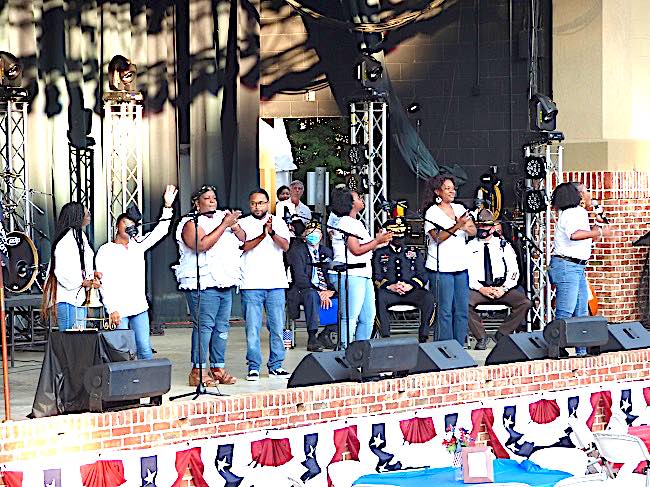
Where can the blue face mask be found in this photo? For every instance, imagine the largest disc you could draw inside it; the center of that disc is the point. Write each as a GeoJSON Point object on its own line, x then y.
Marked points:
{"type": "Point", "coordinates": [313, 239]}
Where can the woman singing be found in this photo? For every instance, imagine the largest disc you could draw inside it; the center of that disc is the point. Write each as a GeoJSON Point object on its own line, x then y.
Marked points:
{"type": "Point", "coordinates": [347, 205]}
{"type": "Point", "coordinates": [572, 250]}
{"type": "Point", "coordinates": [448, 225]}
{"type": "Point", "coordinates": [71, 269]}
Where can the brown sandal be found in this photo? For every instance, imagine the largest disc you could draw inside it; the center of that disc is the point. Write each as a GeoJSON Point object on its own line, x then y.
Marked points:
{"type": "Point", "coordinates": [193, 379]}
{"type": "Point", "coordinates": [221, 376]}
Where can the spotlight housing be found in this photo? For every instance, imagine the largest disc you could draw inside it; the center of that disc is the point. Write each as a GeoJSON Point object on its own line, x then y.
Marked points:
{"type": "Point", "coordinates": [413, 107]}
{"type": "Point", "coordinates": [368, 69]}
{"type": "Point", "coordinates": [535, 167]}
{"type": "Point", "coordinates": [534, 201]}
{"type": "Point", "coordinates": [543, 113]}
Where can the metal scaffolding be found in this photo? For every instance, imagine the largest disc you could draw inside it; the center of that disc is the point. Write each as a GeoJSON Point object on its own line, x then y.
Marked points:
{"type": "Point", "coordinates": [368, 127]}
{"type": "Point", "coordinates": [538, 230]}
{"type": "Point", "coordinates": [123, 153]}
{"type": "Point", "coordinates": [81, 165]}
{"type": "Point", "coordinates": [14, 179]}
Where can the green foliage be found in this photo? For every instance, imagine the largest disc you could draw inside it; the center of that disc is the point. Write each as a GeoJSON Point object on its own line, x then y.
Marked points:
{"type": "Point", "coordinates": [318, 142]}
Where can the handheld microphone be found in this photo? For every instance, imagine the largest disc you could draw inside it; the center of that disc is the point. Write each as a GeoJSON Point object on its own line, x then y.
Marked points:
{"type": "Point", "coordinates": [599, 211]}
{"type": "Point", "coordinates": [131, 231]}
{"type": "Point", "coordinates": [287, 217]}
{"type": "Point", "coordinates": [384, 204]}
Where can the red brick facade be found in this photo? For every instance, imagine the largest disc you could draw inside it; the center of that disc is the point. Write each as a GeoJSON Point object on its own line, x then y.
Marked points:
{"type": "Point", "coordinates": [182, 421]}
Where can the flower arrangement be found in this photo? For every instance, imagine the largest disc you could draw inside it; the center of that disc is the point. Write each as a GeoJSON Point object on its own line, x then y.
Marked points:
{"type": "Point", "coordinates": [460, 438]}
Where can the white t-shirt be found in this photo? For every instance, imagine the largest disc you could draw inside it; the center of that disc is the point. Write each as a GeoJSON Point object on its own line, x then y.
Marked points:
{"type": "Point", "coordinates": [355, 227]}
{"type": "Point", "coordinates": [68, 272]}
{"type": "Point", "coordinates": [263, 267]}
{"type": "Point", "coordinates": [570, 221]}
{"type": "Point", "coordinates": [454, 255]}
{"type": "Point", "coordinates": [123, 270]}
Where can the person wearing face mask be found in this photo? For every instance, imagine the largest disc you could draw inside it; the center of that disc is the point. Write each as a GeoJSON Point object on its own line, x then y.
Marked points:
{"type": "Point", "coordinates": [310, 285]}
{"type": "Point", "coordinates": [493, 277]}
{"type": "Point", "coordinates": [121, 263]}
{"type": "Point", "coordinates": [400, 277]}
{"type": "Point", "coordinates": [219, 238]}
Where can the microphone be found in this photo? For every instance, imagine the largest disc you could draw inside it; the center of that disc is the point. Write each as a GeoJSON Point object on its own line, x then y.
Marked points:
{"type": "Point", "coordinates": [131, 230]}
{"type": "Point", "coordinates": [384, 204]}
{"type": "Point", "coordinates": [599, 211]}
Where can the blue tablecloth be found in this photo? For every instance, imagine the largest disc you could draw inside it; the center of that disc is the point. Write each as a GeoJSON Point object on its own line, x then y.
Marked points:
{"type": "Point", "coordinates": [525, 472]}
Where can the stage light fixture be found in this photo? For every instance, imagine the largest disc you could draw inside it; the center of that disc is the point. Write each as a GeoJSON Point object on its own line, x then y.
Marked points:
{"type": "Point", "coordinates": [534, 201]}
{"type": "Point", "coordinates": [11, 78]}
{"type": "Point", "coordinates": [413, 107]}
{"type": "Point", "coordinates": [544, 112]}
{"type": "Point", "coordinates": [535, 167]}
{"type": "Point", "coordinates": [368, 68]}
{"type": "Point", "coordinates": [122, 74]}
{"type": "Point", "coordinates": [355, 155]}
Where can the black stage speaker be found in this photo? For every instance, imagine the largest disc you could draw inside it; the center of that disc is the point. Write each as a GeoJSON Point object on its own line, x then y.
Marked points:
{"type": "Point", "coordinates": [110, 384]}
{"type": "Point", "coordinates": [625, 336]}
{"type": "Point", "coordinates": [372, 358]}
{"type": "Point", "coordinates": [443, 355]}
{"type": "Point", "coordinates": [518, 347]}
{"type": "Point", "coordinates": [583, 331]}
{"type": "Point", "coordinates": [320, 368]}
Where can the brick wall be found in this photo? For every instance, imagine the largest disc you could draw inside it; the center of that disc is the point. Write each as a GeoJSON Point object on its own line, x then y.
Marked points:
{"type": "Point", "coordinates": [617, 270]}
{"type": "Point", "coordinates": [181, 421]}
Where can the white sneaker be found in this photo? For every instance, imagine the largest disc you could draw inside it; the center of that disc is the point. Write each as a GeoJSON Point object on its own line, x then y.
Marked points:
{"type": "Point", "coordinates": [253, 375]}
{"type": "Point", "coordinates": [279, 372]}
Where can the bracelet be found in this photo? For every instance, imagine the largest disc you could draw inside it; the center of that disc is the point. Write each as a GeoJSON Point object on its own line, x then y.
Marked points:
{"type": "Point", "coordinates": [272, 233]}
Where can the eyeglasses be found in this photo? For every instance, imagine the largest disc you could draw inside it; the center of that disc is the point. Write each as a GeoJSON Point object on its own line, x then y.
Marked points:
{"type": "Point", "coordinates": [258, 203]}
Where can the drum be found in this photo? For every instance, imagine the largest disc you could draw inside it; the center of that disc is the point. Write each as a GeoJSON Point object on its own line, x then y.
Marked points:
{"type": "Point", "coordinates": [22, 269]}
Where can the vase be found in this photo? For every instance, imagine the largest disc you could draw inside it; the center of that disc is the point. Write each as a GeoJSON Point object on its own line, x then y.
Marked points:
{"type": "Point", "coordinates": [458, 464]}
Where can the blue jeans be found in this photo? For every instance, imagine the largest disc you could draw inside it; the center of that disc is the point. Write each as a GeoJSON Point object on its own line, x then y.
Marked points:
{"type": "Point", "coordinates": [253, 302]}
{"type": "Point", "coordinates": [571, 293]}
{"type": "Point", "coordinates": [67, 315]}
{"type": "Point", "coordinates": [212, 326]}
{"type": "Point", "coordinates": [140, 325]}
{"type": "Point", "coordinates": [362, 308]}
{"type": "Point", "coordinates": [453, 306]}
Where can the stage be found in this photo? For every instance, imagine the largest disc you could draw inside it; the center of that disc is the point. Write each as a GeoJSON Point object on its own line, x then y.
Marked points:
{"type": "Point", "coordinates": [175, 345]}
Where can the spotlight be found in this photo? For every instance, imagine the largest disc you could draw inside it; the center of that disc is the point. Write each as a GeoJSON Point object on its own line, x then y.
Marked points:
{"type": "Point", "coordinates": [11, 78]}
{"type": "Point", "coordinates": [413, 107]}
{"type": "Point", "coordinates": [534, 201]}
{"type": "Point", "coordinates": [355, 155]}
{"type": "Point", "coordinates": [368, 69]}
{"type": "Point", "coordinates": [544, 112]}
{"type": "Point", "coordinates": [122, 74]}
{"type": "Point", "coordinates": [535, 167]}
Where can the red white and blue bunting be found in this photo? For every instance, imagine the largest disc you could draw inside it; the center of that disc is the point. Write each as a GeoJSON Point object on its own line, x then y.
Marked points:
{"type": "Point", "coordinates": [516, 427]}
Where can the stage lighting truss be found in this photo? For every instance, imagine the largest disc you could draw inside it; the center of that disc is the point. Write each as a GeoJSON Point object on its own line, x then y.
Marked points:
{"type": "Point", "coordinates": [535, 167]}
{"type": "Point", "coordinates": [123, 153]}
{"type": "Point", "coordinates": [539, 218]}
{"type": "Point", "coordinates": [368, 128]}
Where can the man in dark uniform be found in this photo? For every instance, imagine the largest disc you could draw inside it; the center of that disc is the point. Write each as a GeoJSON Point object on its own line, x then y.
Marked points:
{"type": "Point", "coordinates": [400, 277]}
{"type": "Point", "coordinates": [310, 284]}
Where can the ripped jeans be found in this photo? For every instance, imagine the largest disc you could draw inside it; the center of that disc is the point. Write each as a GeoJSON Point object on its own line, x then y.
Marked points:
{"type": "Point", "coordinates": [213, 322]}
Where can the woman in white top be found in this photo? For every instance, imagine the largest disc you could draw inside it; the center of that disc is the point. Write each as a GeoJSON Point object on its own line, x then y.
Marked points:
{"type": "Point", "coordinates": [121, 263]}
{"type": "Point", "coordinates": [573, 240]}
{"type": "Point", "coordinates": [361, 292]}
{"type": "Point", "coordinates": [448, 225]}
{"type": "Point", "coordinates": [70, 275]}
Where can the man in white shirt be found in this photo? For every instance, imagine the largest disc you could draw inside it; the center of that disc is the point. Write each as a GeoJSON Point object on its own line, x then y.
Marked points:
{"type": "Point", "coordinates": [264, 281]}
{"type": "Point", "coordinates": [293, 209]}
{"type": "Point", "coordinates": [493, 277]}
{"type": "Point", "coordinates": [121, 263]}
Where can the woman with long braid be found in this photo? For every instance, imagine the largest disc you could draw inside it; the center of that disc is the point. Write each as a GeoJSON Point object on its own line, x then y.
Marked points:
{"type": "Point", "coordinates": [71, 269]}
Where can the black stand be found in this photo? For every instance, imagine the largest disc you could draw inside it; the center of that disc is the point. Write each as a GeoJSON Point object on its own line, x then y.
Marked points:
{"type": "Point", "coordinates": [200, 387]}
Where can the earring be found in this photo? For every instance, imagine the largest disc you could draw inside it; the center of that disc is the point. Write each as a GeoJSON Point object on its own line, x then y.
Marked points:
{"type": "Point", "coordinates": [438, 200]}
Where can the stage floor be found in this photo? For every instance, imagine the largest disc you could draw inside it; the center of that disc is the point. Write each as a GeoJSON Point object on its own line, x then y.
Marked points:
{"type": "Point", "coordinates": [175, 345]}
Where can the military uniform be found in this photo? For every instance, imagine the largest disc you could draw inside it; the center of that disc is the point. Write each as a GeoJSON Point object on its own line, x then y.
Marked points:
{"type": "Point", "coordinates": [395, 263]}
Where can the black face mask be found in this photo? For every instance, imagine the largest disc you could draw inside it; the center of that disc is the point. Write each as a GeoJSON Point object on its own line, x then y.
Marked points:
{"type": "Point", "coordinates": [482, 233]}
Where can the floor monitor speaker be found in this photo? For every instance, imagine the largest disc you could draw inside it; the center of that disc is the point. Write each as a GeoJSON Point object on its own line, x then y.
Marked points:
{"type": "Point", "coordinates": [518, 347]}
{"type": "Point", "coordinates": [320, 368]}
{"type": "Point", "coordinates": [626, 336]}
{"type": "Point", "coordinates": [442, 355]}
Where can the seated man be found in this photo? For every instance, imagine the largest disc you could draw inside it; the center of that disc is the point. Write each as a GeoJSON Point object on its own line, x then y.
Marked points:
{"type": "Point", "coordinates": [310, 285]}
{"type": "Point", "coordinates": [400, 277]}
{"type": "Point", "coordinates": [493, 276]}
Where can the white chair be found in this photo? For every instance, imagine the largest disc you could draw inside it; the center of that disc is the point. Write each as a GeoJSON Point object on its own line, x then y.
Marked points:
{"type": "Point", "coordinates": [583, 438]}
{"type": "Point", "coordinates": [627, 450]}
{"type": "Point", "coordinates": [617, 423]}
{"type": "Point", "coordinates": [345, 472]}
{"type": "Point", "coordinates": [594, 480]}
{"type": "Point", "coordinates": [570, 460]}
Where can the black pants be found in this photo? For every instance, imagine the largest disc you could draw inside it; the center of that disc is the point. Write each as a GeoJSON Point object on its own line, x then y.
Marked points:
{"type": "Point", "coordinates": [420, 298]}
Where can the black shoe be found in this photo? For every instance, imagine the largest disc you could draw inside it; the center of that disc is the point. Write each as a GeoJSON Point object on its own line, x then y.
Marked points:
{"type": "Point", "coordinates": [423, 339]}
{"type": "Point", "coordinates": [314, 346]}
{"type": "Point", "coordinates": [498, 336]}
{"type": "Point", "coordinates": [481, 344]}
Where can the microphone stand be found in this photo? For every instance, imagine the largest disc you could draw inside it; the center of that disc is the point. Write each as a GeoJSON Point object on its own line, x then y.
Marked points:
{"type": "Point", "coordinates": [200, 387]}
